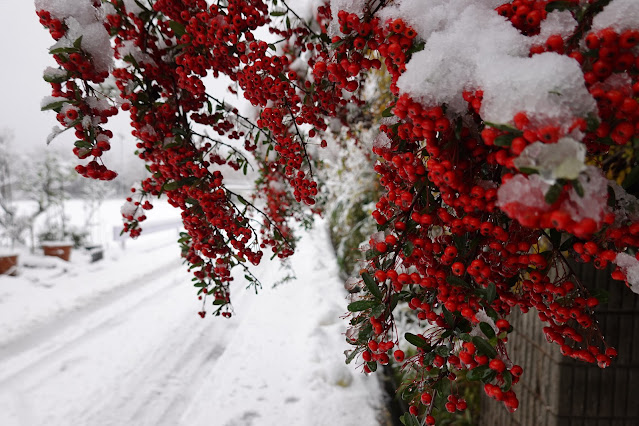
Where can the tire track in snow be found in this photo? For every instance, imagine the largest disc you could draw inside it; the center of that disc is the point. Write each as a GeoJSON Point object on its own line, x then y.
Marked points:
{"type": "Point", "coordinates": [152, 386]}
{"type": "Point", "coordinates": [26, 350]}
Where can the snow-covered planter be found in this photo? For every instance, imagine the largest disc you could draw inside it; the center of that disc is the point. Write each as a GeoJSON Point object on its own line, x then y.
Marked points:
{"type": "Point", "coordinates": [8, 261]}
{"type": "Point", "coordinates": [61, 249]}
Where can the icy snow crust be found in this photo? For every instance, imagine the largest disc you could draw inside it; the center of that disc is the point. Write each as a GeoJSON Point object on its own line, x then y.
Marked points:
{"type": "Point", "coordinates": [619, 15]}
{"type": "Point", "coordinates": [630, 266]}
{"type": "Point", "coordinates": [469, 46]}
{"type": "Point", "coordinates": [83, 20]}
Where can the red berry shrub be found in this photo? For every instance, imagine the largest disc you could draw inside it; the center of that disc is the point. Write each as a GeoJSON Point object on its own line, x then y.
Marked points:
{"type": "Point", "coordinates": [477, 217]}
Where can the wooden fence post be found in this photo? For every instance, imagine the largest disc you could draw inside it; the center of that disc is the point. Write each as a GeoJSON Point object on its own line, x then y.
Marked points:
{"type": "Point", "coordinates": [559, 391]}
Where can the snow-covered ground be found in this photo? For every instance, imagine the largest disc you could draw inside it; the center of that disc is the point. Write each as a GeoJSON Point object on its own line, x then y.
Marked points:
{"type": "Point", "coordinates": [119, 342]}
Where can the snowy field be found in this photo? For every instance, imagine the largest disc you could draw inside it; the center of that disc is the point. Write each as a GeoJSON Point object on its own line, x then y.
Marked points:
{"type": "Point", "coordinates": [119, 341]}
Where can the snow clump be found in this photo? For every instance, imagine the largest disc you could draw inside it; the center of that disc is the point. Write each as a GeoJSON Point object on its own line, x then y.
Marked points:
{"type": "Point", "coordinates": [470, 46]}
{"type": "Point", "coordinates": [630, 267]}
{"type": "Point", "coordinates": [82, 20]}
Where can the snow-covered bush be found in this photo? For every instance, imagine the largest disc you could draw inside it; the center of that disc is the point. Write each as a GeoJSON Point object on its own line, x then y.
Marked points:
{"type": "Point", "coordinates": [508, 146]}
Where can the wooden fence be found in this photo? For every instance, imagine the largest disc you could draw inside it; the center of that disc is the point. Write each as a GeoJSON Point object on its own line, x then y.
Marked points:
{"type": "Point", "coordinates": [558, 391]}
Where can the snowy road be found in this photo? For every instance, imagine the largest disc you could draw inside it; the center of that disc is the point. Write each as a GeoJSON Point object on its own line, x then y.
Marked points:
{"type": "Point", "coordinates": [141, 356]}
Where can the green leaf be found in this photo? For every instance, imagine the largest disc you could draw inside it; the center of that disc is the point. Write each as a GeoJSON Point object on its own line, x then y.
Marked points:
{"type": "Point", "coordinates": [528, 171]}
{"type": "Point", "coordinates": [378, 310]}
{"type": "Point", "coordinates": [408, 249]}
{"type": "Point", "coordinates": [170, 186]}
{"type": "Point", "coordinates": [631, 178]}
{"type": "Point", "coordinates": [487, 330]}
{"type": "Point", "coordinates": [54, 106]}
{"type": "Point", "coordinates": [504, 128]}
{"type": "Point", "coordinates": [453, 280]}
{"type": "Point", "coordinates": [365, 333]}
{"type": "Point", "coordinates": [463, 326]}
{"type": "Point", "coordinates": [372, 365]}
{"type": "Point", "coordinates": [82, 144]}
{"type": "Point", "coordinates": [477, 372]}
{"type": "Point", "coordinates": [555, 238]}
{"type": "Point", "coordinates": [508, 381]}
{"type": "Point", "coordinates": [56, 78]}
{"type": "Point", "coordinates": [578, 188]}
{"type": "Point", "coordinates": [417, 47]}
{"type": "Point", "coordinates": [592, 122]}
{"type": "Point", "coordinates": [362, 305]}
{"type": "Point", "coordinates": [408, 419]}
{"type": "Point", "coordinates": [352, 355]}
{"type": "Point", "coordinates": [219, 302]}
{"type": "Point", "coordinates": [491, 293]}
{"type": "Point", "coordinates": [488, 376]}
{"type": "Point", "coordinates": [459, 124]}
{"type": "Point", "coordinates": [553, 193]}
{"type": "Point", "coordinates": [601, 295]}
{"type": "Point", "coordinates": [78, 43]}
{"type": "Point", "coordinates": [388, 112]}
{"type": "Point", "coordinates": [491, 313]}
{"type": "Point", "coordinates": [278, 13]}
{"type": "Point", "coordinates": [416, 340]}
{"type": "Point", "coordinates": [178, 28]}
{"type": "Point", "coordinates": [442, 350]}
{"type": "Point", "coordinates": [567, 245]}
{"type": "Point", "coordinates": [448, 316]}
{"type": "Point", "coordinates": [504, 140]}
{"type": "Point", "coordinates": [59, 50]}
{"type": "Point", "coordinates": [395, 298]}
{"type": "Point", "coordinates": [612, 197]}
{"type": "Point", "coordinates": [371, 285]}
{"type": "Point", "coordinates": [561, 5]}
{"type": "Point", "coordinates": [484, 347]}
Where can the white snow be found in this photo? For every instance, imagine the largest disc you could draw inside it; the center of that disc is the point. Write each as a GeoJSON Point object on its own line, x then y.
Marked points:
{"type": "Point", "coordinates": [469, 46]}
{"type": "Point", "coordinates": [557, 22]}
{"type": "Point", "coordinates": [627, 205]}
{"type": "Point", "coordinates": [51, 72]}
{"type": "Point", "coordinates": [128, 48]}
{"type": "Point", "coordinates": [546, 86]}
{"type": "Point", "coordinates": [619, 15]}
{"type": "Point", "coordinates": [119, 342]}
{"type": "Point", "coordinates": [594, 202]}
{"type": "Point", "coordinates": [350, 6]}
{"type": "Point", "coordinates": [82, 20]}
{"type": "Point", "coordinates": [564, 159]}
{"type": "Point", "coordinates": [527, 191]}
{"type": "Point", "coordinates": [630, 266]}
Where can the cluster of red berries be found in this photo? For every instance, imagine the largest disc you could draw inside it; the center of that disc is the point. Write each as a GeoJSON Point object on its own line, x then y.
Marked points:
{"type": "Point", "coordinates": [526, 15]}
{"type": "Point", "coordinates": [454, 193]}
{"type": "Point", "coordinates": [76, 106]}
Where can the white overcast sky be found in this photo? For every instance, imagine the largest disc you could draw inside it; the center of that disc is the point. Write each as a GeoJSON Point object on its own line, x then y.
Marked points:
{"type": "Point", "coordinates": [25, 55]}
{"type": "Point", "coordinates": [24, 47]}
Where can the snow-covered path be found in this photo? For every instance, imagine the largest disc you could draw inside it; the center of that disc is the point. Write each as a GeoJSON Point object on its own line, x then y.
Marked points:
{"type": "Point", "coordinates": [141, 356]}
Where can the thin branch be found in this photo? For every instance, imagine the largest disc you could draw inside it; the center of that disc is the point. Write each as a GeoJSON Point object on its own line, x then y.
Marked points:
{"type": "Point", "coordinates": [298, 17]}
